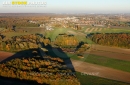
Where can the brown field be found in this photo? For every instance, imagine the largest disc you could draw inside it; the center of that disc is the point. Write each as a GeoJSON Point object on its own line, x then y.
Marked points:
{"type": "Point", "coordinates": [110, 49]}
{"type": "Point", "coordinates": [120, 56]}
{"type": "Point", "coordinates": [30, 30]}
{"type": "Point", "coordinates": [118, 27]}
{"type": "Point", "coordinates": [4, 55]}
{"type": "Point", "coordinates": [111, 52]}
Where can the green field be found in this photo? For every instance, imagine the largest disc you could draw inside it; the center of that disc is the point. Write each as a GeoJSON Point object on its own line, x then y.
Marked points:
{"type": "Point", "coordinates": [52, 34]}
{"type": "Point", "coordinates": [81, 37]}
{"type": "Point", "coordinates": [104, 61]}
{"type": "Point", "coordinates": [93, 80]}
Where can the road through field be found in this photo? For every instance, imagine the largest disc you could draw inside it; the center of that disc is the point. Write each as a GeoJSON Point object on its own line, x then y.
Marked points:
{"type": "Point", "coordinates": [100, 71]}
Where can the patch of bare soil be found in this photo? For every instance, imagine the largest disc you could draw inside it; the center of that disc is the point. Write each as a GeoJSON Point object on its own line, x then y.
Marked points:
{"type": "Point", "coordinates": [4, 55]}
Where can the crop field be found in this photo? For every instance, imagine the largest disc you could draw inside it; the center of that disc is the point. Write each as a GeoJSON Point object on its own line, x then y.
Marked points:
{"type": "Point", "coordinates": [94, 29]}
{"type": "Point", "coordinates": [104, 61]}
{"type": "Point", "coordinates": [30, 30]}
{"type": "Point", "coordinates": [93, 80]}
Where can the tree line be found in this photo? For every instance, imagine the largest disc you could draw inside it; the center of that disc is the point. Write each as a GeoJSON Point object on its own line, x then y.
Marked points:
{"type": "Point", "coordinates": [52, 71]}
{"type": "Point", "coordinates": [64, 40]}
{"type": "Point", "coordinates": [9, 22]}
{"type": "Point", "coordinates": [111, 39]}
{"type": "Point", "coordinates": [23, 42]}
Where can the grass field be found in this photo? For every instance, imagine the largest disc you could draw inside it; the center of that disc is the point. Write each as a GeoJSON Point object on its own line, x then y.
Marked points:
{"type": "Point", "coordinates": [79, 35]}
{"type": "Point", "coordinates": [52, 34]}
{"type": "Point", "coordinates": [104, 61]}
{"type": "Point", "coordinates": [93, 80]}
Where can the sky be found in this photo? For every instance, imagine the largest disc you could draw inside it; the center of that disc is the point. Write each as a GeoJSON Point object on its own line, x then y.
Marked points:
{"type": "Point", "coordinates": [70, 6]}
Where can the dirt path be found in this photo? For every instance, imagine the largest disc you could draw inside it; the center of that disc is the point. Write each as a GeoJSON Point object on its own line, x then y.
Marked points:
{"type": "Point", "coordinates": [100, 71]}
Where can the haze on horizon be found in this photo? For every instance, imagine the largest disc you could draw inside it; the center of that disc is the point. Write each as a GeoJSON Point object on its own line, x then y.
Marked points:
{"type": "Point", "coordinates": [72, 6]}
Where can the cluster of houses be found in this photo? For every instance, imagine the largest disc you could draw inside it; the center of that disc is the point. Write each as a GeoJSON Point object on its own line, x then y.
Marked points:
{"type": "Point", "coordinates": [33, 22]}
{"type": "Point", "coordinates": [72, 21]}
{"type": "Point", "coordinates": [66, 19]}
{"type": "Point", "coordinates": [47, 27]}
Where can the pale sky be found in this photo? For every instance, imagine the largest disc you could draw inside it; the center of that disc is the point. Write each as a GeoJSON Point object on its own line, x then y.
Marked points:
{"type": "Point", "coordinates": [72, 6]}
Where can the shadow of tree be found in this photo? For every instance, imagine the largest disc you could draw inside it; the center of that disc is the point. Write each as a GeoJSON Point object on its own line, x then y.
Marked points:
{"type": "Point", "coordinates": [53, 52]}
{"type": "Point", "coordinates": [14, 81]}
{"type": "Point", "coordinates": [21, 54]}
{"type": "Point", "coordinates": [58, 52]}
